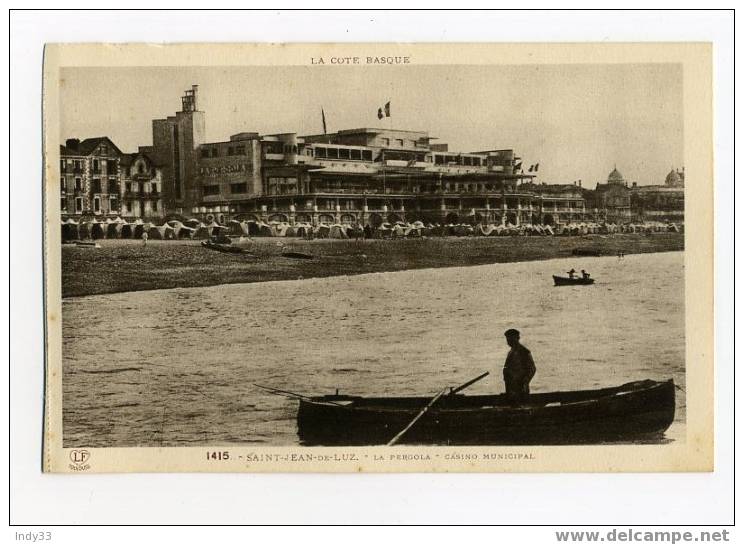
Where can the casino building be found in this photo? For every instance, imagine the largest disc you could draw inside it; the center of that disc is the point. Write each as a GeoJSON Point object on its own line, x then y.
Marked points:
{"type": "Point", "coordinates": [355, 176]}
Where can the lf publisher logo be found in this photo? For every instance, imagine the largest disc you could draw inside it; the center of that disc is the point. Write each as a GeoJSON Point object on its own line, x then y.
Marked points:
{"type": "Point", "coordinates": [79, 459]}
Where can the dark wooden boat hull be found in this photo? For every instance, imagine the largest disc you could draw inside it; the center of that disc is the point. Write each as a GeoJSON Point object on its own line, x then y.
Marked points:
{"type": "Point", "coordinates": [565, 281]}
{"type": "Point", "coordinates": [297, 255]}
{"type": "Point", "coordinates": [225, 248]}
{"type": "Point", "coordinates": [634, 411]}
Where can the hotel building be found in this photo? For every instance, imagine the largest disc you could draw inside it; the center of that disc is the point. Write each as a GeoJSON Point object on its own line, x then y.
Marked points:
{"type": "Point", "coordinates": [356, 176]}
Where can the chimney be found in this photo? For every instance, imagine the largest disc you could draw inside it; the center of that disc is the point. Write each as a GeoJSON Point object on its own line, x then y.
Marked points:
{"type": "Point", "coordinates": [579, 183]}
{"type": "Point", "coordinates": [72, 143]}
{"type": "Point", "coordinates": [194, 90]}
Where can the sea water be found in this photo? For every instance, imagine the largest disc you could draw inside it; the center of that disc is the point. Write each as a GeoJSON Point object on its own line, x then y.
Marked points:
{"type": "Point", "coordinates": [176, 367]}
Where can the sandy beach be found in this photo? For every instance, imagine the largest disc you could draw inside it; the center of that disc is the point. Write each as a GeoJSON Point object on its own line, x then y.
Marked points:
{"type": "Point", "coordinates": [127, 265]}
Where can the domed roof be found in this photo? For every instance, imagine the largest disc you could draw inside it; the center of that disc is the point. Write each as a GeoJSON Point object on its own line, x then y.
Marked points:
{"type": "Point", "coordinates": [615, 177]}
{"type": "Point", "coordinates": [673, 178]}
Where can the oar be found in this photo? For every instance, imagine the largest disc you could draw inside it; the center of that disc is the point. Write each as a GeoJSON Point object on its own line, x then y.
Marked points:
{"type": "Point", "coordinates": [469, 383]}
{"type": "Point", "coordinates": [395, 439]}
{"type": "Point", "coordinates": [295, 395]}
{"type": "Point", "coordinates": [419, 415]}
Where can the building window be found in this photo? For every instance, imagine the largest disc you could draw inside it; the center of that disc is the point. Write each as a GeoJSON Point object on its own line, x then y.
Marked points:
{"type": "Point", "coordinates": [96, 204]}
{"type": "Point", "coordinates": [154, 206]}
{"type": "Point", "coordinates": [128, 187]}
{"type": "Point", "coordinates": [321, 153]}
{"type": "Point", "coordinates": [355, 154]}
{"type": "Point", "coordinates": [62, 165]}
{"type": "Point", "coordinates": [386, 141]}
{"type": "Point", "coordinates": [96, 185]}
{"type": "Point", "coordinates": [63, 204]}
{"type": "Point", "coordinates": [239, 188]}
{"type": "Point", "coordinates": [240, 150]}
{"type": "Point", "coordinates": [343, 153]}
{"type": "Point", "coordinates": [400, 142]}
{"type": "Point", "coordinates": [211, 190]}
{"type": "Point", "coordinates": [140, 168]}
{"type": "Point", "coordinates": [76, 165]}
{"type": "Point", "coordinates": [78, 184]}
{"type": "Point", "coordinates": [333, 153]}
{"type": "Point", "coordinates": [367, 155]}
{"type": "Point", "coordinates": [113, 204]}
{"type": "Point", "coordinates": [205, 152]}
{"type": "Point", "coordinates": [78, 205]}
{"type": "Point", "coordinates": [96, 166]}
{"type": "Point", "coordinates": [215, 152]}
{"type": "Point", "coordinates": [62, 184]}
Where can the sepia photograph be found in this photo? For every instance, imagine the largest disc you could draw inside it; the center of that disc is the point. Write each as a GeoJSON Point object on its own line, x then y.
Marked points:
{"type": "Point", "coordinates": [449, 264]}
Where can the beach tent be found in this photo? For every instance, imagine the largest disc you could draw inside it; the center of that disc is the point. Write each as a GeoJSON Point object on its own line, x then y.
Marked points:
{"type": "Point", "coordinates": [279, 229]}
{"type": "Point", "coordinates": [140, 228]}
{"type": "Point", "coordinates": [303, 231]}
{"type": "Point", "coordinates": [202, 232]}
{"type": "Point", "coordinates": [161, 232]}
{"type": "Point", "coordinates": [322, 231]}
{"type": "Point", "coordinates": [114, 229]}
{"type": "Point", "coordinates": [235, 228]}
{"type": "Point", "coordinates": [182, 231]}
{"type": "Point", "coordinates": [337, 231]}
{"type": "Point", "coordinates": [193, 223]}
{"type": "Point", "coordinates": [185, 232]}
{"type": "Point", "coordinates": [258, 229]}
{"type": "Point", "coordinates": [485, 230]}
{"type": "Point", "coordinates": [399, 230]}
{"type": "Point", "coordinates": [97, 229]}
{"type": "Point", "coordinates": [70, 230]}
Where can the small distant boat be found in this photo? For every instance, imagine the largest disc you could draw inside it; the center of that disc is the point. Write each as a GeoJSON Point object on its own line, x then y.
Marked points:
{"type": "Point", "coordinates": [297, 255]}
{"type": "Point", "coordinates": [226, 248]}
{"type": "Point", "coordinates": [623, 413]}
{"type": "Point", "coordinates": [566, 281]}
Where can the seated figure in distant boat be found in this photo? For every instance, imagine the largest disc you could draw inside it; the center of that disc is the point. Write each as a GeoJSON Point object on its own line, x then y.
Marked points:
{"type": "Point", "coordinates": [584, 274]}
{"type": "Point", "coordinates": [572, 273]}
{"type": "Point", "coordinates": [518, 369]}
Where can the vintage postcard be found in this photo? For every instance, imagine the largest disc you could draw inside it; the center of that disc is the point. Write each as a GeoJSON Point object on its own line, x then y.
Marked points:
{"type": "Point", "coordinates": [378, 257]}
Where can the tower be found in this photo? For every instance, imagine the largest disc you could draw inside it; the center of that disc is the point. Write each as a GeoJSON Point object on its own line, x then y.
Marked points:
{"type": "Point", "coordinates": [175, 141]}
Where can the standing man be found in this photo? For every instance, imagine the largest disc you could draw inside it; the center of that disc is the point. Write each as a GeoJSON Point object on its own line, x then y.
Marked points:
{"type": "Point", "coordinates": [518, 369]}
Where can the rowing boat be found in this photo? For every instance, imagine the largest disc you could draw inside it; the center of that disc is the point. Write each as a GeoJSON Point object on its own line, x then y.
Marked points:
{"type": "Point", "coordinates": [566, 281]}
{"type": "Point", "coordinates": [225, 248]}
{"type": "Point", "coordinates": [631, 412]}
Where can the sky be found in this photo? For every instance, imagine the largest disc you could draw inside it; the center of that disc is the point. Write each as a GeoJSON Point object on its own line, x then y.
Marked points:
{"type": "Point", "coordinates": [577, 121]}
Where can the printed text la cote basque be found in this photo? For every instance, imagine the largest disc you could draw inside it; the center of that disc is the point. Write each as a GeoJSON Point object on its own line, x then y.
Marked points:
{"type": "Point", "coordinates": [343, 60]}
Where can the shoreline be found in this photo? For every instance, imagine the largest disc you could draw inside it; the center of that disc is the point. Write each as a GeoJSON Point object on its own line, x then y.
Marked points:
{"type": "Point", "coordinates": [121, 266]}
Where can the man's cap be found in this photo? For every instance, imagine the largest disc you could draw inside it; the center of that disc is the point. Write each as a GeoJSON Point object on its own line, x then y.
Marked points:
{"type": "Point", "coordinates": [511, 333]}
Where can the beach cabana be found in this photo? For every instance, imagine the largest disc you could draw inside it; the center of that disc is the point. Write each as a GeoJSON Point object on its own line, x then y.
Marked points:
{"type": "Point", "coordinates": [70, 230]}
{"type": "Point", "coordinates": [337, 231]}
{"type": "Point", "coordinates": [322, 231]}
{"type": "Point", "coordinates": [161, 232]}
